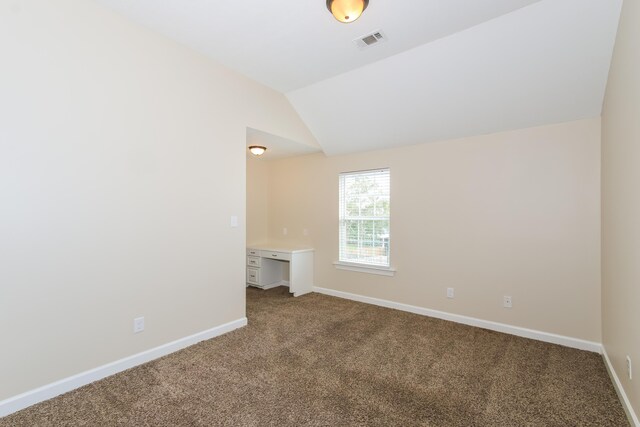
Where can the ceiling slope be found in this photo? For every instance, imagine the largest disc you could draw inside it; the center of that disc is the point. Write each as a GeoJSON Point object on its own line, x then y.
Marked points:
{"type": "Point", "coordinates": [277, 146]}
{"type": "Point", "coordinates": [541, 64]}
{"type": "Point", "coordinates": [289, 44]}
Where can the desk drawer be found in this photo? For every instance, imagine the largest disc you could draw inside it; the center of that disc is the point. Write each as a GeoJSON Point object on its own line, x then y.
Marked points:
{"type": "Point", "coordinates": [276, 255]}
{"type": "Point", "coordinates": [253, 276]}
{"type": "Point", "coordinates": [253, 261]}
{"type": "Point", "coordinates": [254, 252]}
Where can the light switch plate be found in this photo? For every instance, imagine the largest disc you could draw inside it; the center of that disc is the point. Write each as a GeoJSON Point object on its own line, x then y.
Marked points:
{"type": "Point", "coordinates": [234, 221]}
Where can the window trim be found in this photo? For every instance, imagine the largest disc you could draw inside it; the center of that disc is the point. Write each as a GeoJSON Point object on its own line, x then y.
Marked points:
{"type": "Point", "coordinates": [365, 268]}
{"type": "Point", "coordinates": [380, 270]}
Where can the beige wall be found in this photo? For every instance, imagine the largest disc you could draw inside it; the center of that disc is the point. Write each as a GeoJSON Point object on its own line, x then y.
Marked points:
{"type": "Point", "coordinates": [257, 200]}
{"type": "Point", "coordinates": [515, 213]}
{"type": "Point", "coordinates": [621, 204]}
{"type": "Point", "coordinates": [122, 158]}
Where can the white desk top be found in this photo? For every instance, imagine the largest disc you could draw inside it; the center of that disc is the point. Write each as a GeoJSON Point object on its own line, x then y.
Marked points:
{"type": "Point", "coordinates": [282, 247]}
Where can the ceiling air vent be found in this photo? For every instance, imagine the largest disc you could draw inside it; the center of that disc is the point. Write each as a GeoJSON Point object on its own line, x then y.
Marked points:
{"type": "Point", "coordinates": [370, 39]}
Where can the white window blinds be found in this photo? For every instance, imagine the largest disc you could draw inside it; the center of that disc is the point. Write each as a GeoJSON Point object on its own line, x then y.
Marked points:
{"type": "Point", "coordinates": [364, 217]}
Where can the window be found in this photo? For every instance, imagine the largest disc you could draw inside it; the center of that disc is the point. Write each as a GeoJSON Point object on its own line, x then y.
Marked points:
{"type": "Point", "coordinates": [364, 218]}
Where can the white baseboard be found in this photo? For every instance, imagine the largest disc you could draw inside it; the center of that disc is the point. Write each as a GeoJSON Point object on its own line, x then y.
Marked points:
{"type": "Point", "coordinates": [471, 321]}
{"type": "Point", "coordinates": [626, 404]}
{"type": "Point", "coordinates": [271, 286]}
{"type": "Point", "coordinates": [266, 287]}
{"type": "Point", "coordinates": [24, 400]}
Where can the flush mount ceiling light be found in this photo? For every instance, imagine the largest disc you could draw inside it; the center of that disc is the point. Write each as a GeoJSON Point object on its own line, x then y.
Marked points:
{"type": "Point", "coordinates": [257, 150]}
{"type": "Point", "coordinates": [347, 10]}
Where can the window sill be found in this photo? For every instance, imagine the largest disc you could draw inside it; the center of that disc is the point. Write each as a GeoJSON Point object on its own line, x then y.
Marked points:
{"type": "Point", "coordinates": [364, 268]}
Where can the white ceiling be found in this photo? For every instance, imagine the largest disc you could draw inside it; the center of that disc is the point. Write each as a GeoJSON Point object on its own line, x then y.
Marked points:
{"type": "Point", "coordinates": [289, 44]}
{"type": "Point", "coordinates": [277, 147]}
{"type": "Point", "coordinates": [450, 68]}
{"type": "Point", "coordinates": [545, 63]}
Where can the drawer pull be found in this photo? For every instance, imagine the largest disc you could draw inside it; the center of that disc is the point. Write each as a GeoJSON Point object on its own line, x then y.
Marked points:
{"type": "Point", "coordinates": [274, 255]}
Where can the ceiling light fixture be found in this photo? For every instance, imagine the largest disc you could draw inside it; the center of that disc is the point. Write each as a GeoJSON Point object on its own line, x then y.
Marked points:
{"type": "Point", "coordinates": [347, 10]}
{"type": "Point", "coordinates": [257, 150]}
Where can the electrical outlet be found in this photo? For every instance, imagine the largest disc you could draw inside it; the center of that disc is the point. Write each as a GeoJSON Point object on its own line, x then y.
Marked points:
{"type": "Point", "coordinates": [449, 292]}
{"type": "Point", "coordinates": [285, 231]}
{"type": "Point", "coordinates": [507, 302]}
{"type": "Point", "coordinates": [138, 325]}
{"type": "Point", "coordinates": [305, 232]}
{"type": "Point", "coordinates": [629, 368]}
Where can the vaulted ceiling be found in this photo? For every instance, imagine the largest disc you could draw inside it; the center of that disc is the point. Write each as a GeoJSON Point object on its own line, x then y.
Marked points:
{"type": "Point", "coordinates": [448, 69]}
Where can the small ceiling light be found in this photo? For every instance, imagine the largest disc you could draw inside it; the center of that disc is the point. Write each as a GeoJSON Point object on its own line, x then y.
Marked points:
{"type": "Point", "coordinates": [257, 150]}
{"type": "Point", "coordinates": [347, 10]}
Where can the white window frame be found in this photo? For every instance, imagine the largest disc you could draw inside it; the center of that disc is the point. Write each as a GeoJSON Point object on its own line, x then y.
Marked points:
{"type": "Point", "coordinates": [362, 267]}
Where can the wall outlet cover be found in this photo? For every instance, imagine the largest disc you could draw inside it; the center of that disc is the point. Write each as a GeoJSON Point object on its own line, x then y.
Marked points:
{"type": "Point", "coordinates": [138, 325]}
{"type": "Point", "coordinates": [507, 302]}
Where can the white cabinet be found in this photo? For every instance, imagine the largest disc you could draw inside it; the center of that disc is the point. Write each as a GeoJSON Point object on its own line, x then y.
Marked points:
{"type": "Point", "coordinates": [262, 274]}
{"type": "Point", "coordinates": [276, 255]}
{"type": "Point", "coordinates": [253, 261]}
{"type": "Point", "coordinates": [265, 266]}
{"type": "Point", "coordinates": [253, 276]}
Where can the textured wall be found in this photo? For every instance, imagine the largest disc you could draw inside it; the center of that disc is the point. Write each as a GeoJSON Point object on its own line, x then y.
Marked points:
{"type": "Point", "coordinates": [515, 213]}
{"type": "Point", "coordinates": [621, 203]}
{"type": "Point", "coordinates": [122, 158]}
{"type": "Point", "coordinates": [257, 200]}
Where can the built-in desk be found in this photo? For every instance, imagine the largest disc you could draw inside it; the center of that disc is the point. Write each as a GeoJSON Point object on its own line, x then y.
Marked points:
{"type": "Point", "coordinates": [265, 268]}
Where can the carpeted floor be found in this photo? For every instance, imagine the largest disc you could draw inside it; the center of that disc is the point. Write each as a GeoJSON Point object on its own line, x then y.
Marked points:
{"type": "Point", "coordinates": [322, 361]}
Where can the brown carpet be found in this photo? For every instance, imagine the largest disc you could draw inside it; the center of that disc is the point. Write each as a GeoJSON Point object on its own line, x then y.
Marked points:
{"type": "Point", "coordinates": [322, 361]}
